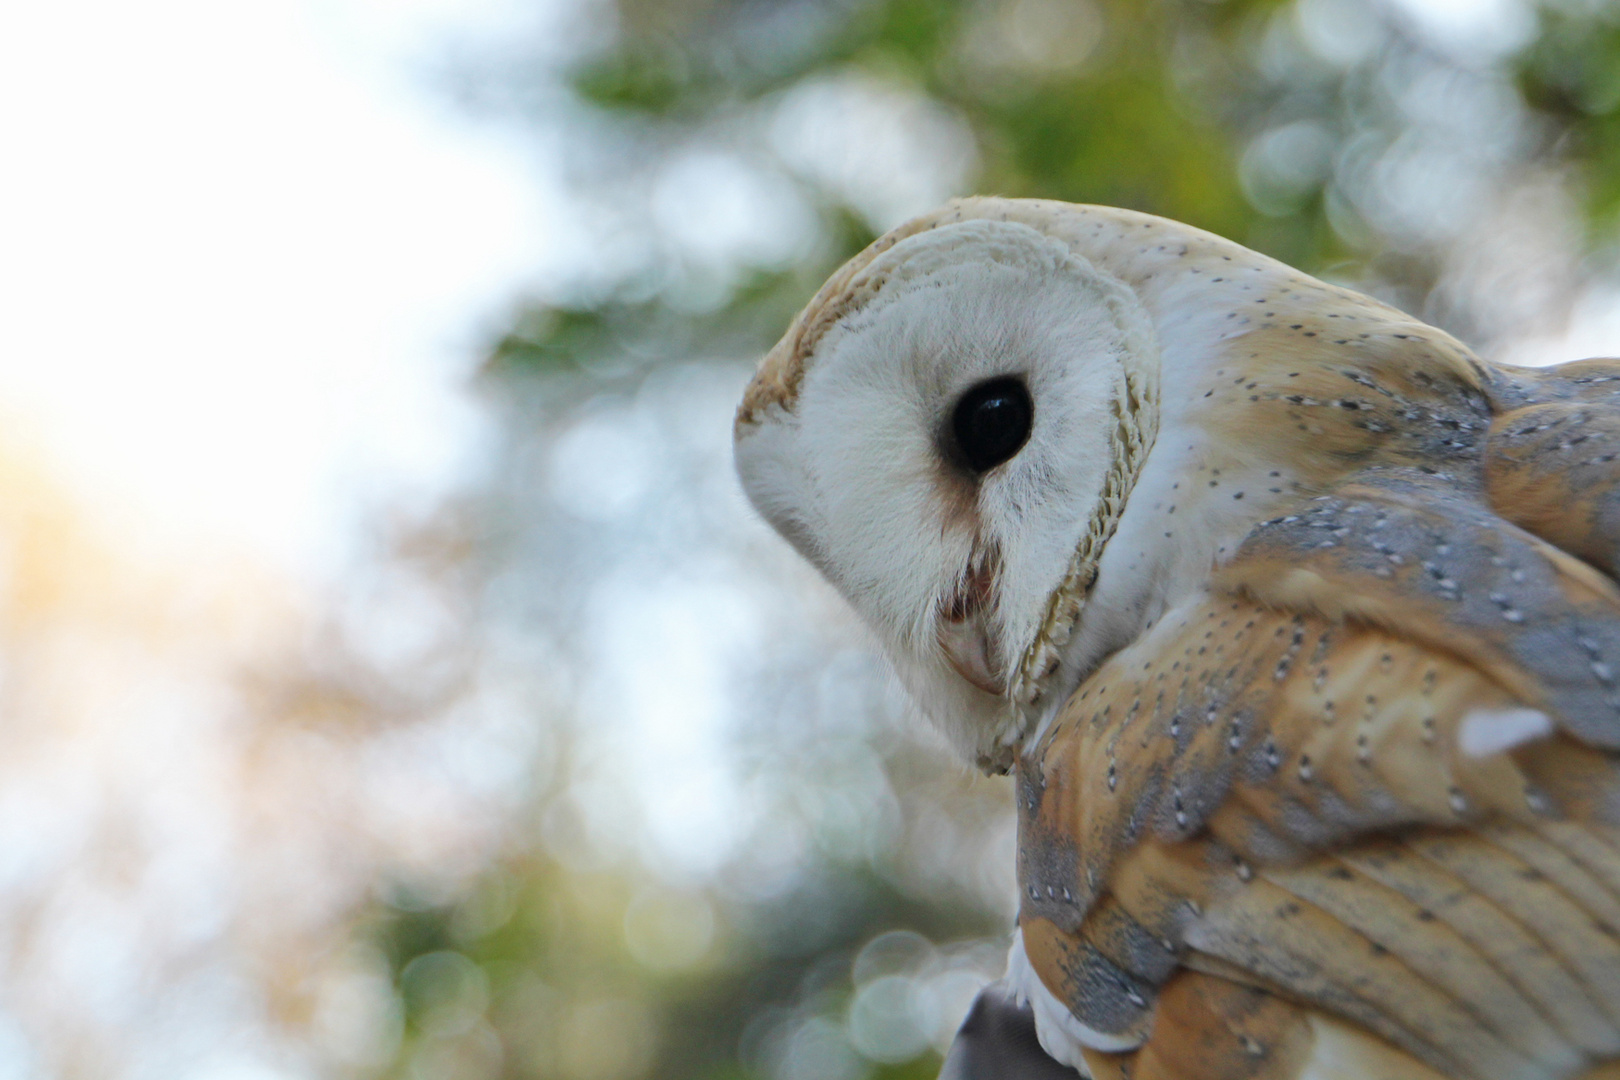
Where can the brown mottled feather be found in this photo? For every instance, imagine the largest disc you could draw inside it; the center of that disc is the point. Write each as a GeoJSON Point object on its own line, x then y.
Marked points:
{"type": "Point", "coordinates": [1268, 787]}
{"type": "Point", "coordinates": [1553, 467]}
{"type": "Point", "coordinates": [1213, 1028]}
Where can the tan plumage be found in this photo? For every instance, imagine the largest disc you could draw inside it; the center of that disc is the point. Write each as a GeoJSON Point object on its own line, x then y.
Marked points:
{"type": "Point", "coordinates": [1271, 790]}
{"type": "Point", "coordinates": [1344, 801]}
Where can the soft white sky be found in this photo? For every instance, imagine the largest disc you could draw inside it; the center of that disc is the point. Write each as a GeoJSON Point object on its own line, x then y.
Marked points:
{"type": "Point", "coordinates": [244, 257]}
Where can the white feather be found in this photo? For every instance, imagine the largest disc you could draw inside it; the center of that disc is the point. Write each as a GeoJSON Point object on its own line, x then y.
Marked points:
{"type": "Point", "coordinates": [852, 468]}
{"type": "Point", "coordinates": [1060, 1034]}
{"type": "Point", "coordinates": [1484, 732]}
{"type": "Point", "coordinates": [855, 476]}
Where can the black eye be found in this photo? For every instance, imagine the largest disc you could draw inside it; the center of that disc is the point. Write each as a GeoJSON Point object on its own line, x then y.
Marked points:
{"type": "Point", "coordinates": [992, 422]}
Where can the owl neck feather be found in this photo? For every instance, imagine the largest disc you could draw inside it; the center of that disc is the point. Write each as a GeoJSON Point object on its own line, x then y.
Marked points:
{"type": "Point", "coordinates": [1136, 414]}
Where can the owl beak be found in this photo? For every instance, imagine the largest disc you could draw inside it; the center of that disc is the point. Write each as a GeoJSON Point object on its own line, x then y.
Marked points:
{"type": "Point", "coordinates": [963, 633]}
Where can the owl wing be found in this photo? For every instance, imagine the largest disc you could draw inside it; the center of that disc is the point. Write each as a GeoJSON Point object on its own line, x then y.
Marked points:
{"type": "Point", "coordinates": [1365, 783]}
{"type": "Point", "coordinates": [1552, 458]}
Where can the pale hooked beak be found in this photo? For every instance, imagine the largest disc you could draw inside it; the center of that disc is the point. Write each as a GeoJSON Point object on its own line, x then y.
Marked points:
{"type": "Point", "coordinates": [963, 633]}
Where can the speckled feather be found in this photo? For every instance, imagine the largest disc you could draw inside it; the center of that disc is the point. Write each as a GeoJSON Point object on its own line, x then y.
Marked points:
{"type": "Point", "coordinates": [1269, 784]}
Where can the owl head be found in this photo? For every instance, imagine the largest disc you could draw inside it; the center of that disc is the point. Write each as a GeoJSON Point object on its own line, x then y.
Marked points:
{"type": "Point", "coordinates": [949, 433]}
{"type": "Point", "coordinates": [967, 432]}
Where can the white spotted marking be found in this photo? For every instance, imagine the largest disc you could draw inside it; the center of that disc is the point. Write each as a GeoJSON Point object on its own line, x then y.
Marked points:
{"type": "Point", "coordinates": [1484, 732]}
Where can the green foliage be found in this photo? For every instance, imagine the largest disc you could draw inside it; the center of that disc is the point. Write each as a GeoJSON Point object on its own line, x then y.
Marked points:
{"type": "Point", "coordinates": [532, 939]}
{"type": "Point", "coordinates": [1149, 112]}
{"type": "Point", "coordinates": [652, 80]}
{"type": "Point", "coordinates": [631, 334]}
{"type": "Point", "coordinates": [1571, 75]}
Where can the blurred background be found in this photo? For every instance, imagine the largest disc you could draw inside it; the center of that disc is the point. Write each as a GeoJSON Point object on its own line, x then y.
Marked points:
{"type": "Point", "coordinates": [393, 681]}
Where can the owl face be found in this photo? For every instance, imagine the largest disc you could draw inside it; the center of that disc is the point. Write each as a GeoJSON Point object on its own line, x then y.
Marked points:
{"type": "Point", "coordinates": [957, 426]}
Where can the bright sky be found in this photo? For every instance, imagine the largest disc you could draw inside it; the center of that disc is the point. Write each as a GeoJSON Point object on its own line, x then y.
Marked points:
{"type": "Point", "coordinates": [244, 259]}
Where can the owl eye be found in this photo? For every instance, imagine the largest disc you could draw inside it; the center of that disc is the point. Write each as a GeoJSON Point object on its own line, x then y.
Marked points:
{"type": "Point", "coordinates": [992, 422]}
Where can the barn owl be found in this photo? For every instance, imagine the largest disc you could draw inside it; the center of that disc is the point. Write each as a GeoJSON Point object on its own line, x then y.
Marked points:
{"type": "Point", "coordinates": [1295, 622]}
